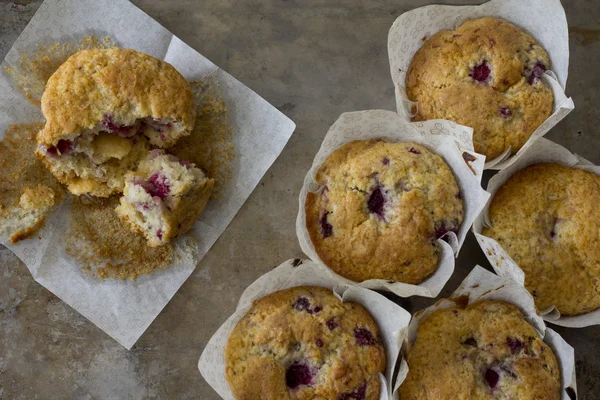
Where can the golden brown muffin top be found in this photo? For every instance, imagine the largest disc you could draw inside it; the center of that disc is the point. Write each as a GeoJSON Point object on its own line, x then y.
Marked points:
{"type": "Point", "coordinates": [380, 210]}
{"type": "Point", "coordinates": [486, 350]}
{"type": "Point", "coordinates": [304, 343]}
{"type": "Point", "coordinates": [124, 84]}
{"type": "Point", "coordinates": [547, 218]}
{"type": "Point", "coordinates": [487, 75]}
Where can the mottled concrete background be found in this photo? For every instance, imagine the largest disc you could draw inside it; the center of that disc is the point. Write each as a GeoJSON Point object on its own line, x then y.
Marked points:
{"type": "Point", "coordinates": [313, 59]}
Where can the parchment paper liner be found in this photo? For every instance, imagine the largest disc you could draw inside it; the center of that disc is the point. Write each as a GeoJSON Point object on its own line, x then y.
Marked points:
{"type": "Point", "coordinates": [545, 20]}
{"type": "Point", "coordinates": [542, 150]}
{"type": "Point", "coordinates": [481, 284]}
{"type": "Point", "coordinates": [125, 309]}
{"type": "Point", "coordinates": [390, 317]}
{"type": "Point", "coordinates": [447, 139]}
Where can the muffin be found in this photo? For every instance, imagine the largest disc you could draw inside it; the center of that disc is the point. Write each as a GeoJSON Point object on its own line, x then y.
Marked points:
{"type": "Point", "coordinates": [164, 197]}
{"type": "Point", "coordinates": [380, 209]}
{"type": "Point", "coordinates": [28, 217]}
{"type": "Point", "coordinates": [547, 219]}
{"type": "Point", "coordinates": [487, 75]}
{"type": "Point", "coordinates": [486, 350]}
{"type": "Point", "coordinates": [304, 343]}
{"type": "Point", "coordinates": [103, 109]}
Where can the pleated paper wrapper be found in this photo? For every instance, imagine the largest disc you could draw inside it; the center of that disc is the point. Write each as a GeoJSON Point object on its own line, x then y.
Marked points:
{"type": "Point", "coordinates": [542, 151]}
{"type": "Point", "coordinates": [545, 20]}
{"type": "Point", "coordinates": [451, 141]}
{"type": "Point", "coordinates": [391, 319]}
{"type": "Point", "coordinates": [482, 284]}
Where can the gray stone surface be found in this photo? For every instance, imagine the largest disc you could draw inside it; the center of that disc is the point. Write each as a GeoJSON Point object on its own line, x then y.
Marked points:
{"type": "Point", "coordinates": [313, 60]}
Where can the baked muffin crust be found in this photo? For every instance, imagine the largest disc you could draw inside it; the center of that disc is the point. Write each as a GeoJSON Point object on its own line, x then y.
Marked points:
{"type": "Point", "coordinates": [546, 217]}
{"type": "Point", "coordinates": [103, 109]}
{"type": "Point", "coordinates": [487, 75]}
{"type": "Point", "coordinates": [304, 343]}
{"type": "Point", "coordinates": [486, 350]}
{"type": "Point", "coordinates": [380, 210]}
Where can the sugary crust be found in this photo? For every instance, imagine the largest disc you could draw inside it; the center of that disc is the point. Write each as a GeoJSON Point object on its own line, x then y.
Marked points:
{"type": "Point", "coordinates": [124, 83]}
{"type": "Point", "coordinates": [506, 109]}
{"type": "Point", "coordinates": [546, 217]}
{"type": "Point", "coordinates": [421, 202]}
{"type": "Point", "coordinates": [486, 350]}
{"type": "Point", "coordinates": [277, 333]}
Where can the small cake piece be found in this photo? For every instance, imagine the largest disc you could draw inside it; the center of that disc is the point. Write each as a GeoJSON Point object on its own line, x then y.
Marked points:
{"type": "Point", "coordinates": [380, 210]}
{"type": "Point", "coordinates": [546, 217]}
{"type": "Point", "coordinates": [103, 107]}
{"type": "Point", "coordinates": [303, 343]}
{"type": "Point", "coordinates": [487, 75]}
{"type": "Point", "coordinates": [24, 221]}
{"type": "Point", "coordinates": [164, 197]}
{"type": "Point", "coordinates": [484, 351]}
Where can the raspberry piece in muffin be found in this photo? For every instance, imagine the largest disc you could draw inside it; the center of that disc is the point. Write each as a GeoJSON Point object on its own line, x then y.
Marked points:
{"type": "Point", "coordinates": [470, 353]}
{"type": "Point", "coordinates": [547, 219]}
{"type": "Point", "coordinates": [487, 75]}
{"type": "Point", "coordinates": [280, 351]}
{"type": "Point", "coordinates": [103, 108]}
{"type": "Point", "coordinates": [164, 197]}
{"type": "Point", "coordinates": [381, 209]}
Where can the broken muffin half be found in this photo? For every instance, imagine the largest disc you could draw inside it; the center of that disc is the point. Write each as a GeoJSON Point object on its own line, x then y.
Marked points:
{"type": "Point", "coordinates": [104, 109]}
{"type": "Point", "coordinates": [164, 197]}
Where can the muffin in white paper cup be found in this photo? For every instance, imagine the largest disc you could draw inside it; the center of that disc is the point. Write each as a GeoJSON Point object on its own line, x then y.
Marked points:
{"type": "Point", "coordinates": [451, 141]}
{"type": "Point", "coordinates": [541, 151]}
{"type": "Point", "coordinates": [391, 319]}
{"type": "Point", "coordinates": [544, 20]}
{"type": "Point", "coordinates": [482, 284]}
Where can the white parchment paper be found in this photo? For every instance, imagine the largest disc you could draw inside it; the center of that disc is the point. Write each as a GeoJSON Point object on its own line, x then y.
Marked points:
{"type": "Point", "coordinates": [445, 138]}
{"type": "Point", "coordinates": [542, 150]}
{"type": "Point", "coordinates": [124, 309]}
{"type": "Point", "coordinates": [545, 20]}
{"type": "Point", "coordinates": [391, 319]}
{"type": "Point", "coordinates": [481, 284]}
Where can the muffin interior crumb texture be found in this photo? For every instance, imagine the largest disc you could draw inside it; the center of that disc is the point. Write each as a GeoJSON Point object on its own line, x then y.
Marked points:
{"type": "Point", "coordinates": [487, 74]}
{"type": "Point", "coordinates": [486, 350]}
{"type": "Point", "coordinates": [546, 217]}
{"type": "Point", "coordinates": [304, 343]}
{"type": "Point", "coordinates": [28, 191]}
{"type": "Point", "coordinates": [121, 254]}
{"type": "Point", "coordinates": [97, 239]}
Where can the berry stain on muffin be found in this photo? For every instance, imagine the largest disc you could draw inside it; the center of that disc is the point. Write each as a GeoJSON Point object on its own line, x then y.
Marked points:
{"type": "Point", "coordinates": [331, 324]}
{"type": "Point", "coordinates": [358, 394]}
{"type": "Point", "coordinates": [326, 227]}
{"type": "Point", "coordinates": [298, 374]}
{"type": "Point", "coordinates": [505, 112]}
{"type": "Point", "coordinates": [515, 345]}
{"type": "Point", "coordinates": [481, 72]}
{"type": "Point", "coordinates": [376, 202]}
{"type": "Point", "coordinates": [536, 73]}
{"type": "Point", "coordinates": [364, 337]}
{"type": "Point", "coordinates": [492, 377]}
